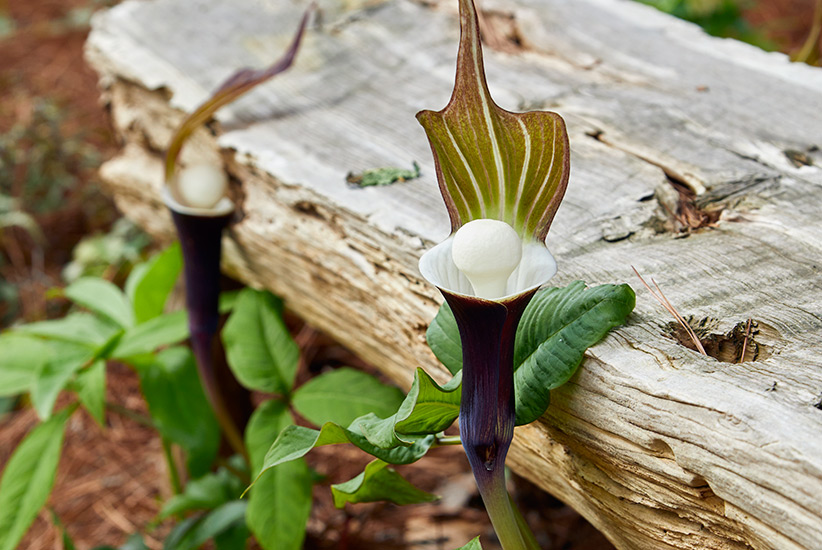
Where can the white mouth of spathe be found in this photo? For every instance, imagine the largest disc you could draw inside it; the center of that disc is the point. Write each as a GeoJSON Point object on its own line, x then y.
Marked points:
{"type": "Point", "coordinates": [535, 267]}
{"type": "Point", "coordinates": [223, 207]}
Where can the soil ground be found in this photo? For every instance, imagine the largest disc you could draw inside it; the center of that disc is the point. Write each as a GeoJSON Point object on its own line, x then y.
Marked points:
{"type": "Point", "coordinates": [112, 479]}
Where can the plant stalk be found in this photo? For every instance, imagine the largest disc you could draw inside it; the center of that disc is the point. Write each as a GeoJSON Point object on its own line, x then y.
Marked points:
{"type": "Point", "coordinates": [201, 242]}
{"type": "Point", "coordinates": [173, 475]}
{"type": "Point", "coordinates": [510, 526]}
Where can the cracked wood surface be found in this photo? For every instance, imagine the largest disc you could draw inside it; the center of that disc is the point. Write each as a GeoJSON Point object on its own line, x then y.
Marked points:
{"type": "Point", "coordinates": [656, 445]}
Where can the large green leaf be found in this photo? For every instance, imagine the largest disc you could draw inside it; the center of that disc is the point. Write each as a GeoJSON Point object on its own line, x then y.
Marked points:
{"type": "Point", "coordinates": [344, 394]}
{"type": "Point", "coordinates": [295, 441]}
{"type": "Point", "coordinates": [444, 340]}
{"type": "Point", "coordinates": [556, 329]}
{"type": "Point", "coordinates": [280, 500]}
{"type": "Point", "coordinates": [492, 163]}
{"type": "Point", "coordinates": [233, 538]}
{"type": "Point", "coordinates": [146, 337]}
{"type": "Point", "coordinates": [79, 328]}
{"type": "Point", "coordinates": [378, 482]}
{"type": "Point", "coordinates": [65, 359]}
{"type": "Point", "coordinates": [28, 478]}
{"type": "Point", "coordinates": [103, 297]}
{"type": "Point", "coordinates": [260, 350]}
{"type": "Point", "coordinates": [90, 386]}
{"type": "Point", "coordinates": [179, 406]}
{"type": "Point", "coordinates": [21, 358]}
{"type": "Point", "coordinates": [149, 285]}
{"type": "Point", "coordinates": [428, 408]}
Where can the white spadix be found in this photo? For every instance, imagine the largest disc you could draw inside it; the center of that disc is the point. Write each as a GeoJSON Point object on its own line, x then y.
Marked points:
{"type": "Point", "coordinates": [487, 252]}
{"type": "Point", "coordinates": [201, 185]}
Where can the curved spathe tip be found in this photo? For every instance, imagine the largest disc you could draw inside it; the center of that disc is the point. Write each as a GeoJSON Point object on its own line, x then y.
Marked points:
{"type": "Point", "coordinates": [536, 268]}
{"type": "Point", "coordinates": [224, 206]}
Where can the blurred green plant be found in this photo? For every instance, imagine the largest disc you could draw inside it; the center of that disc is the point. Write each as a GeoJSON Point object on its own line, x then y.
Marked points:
{"type": "Point", "coordinates": [44, 359]}
{"type": "Point", "coordinates": [721, 18]}
{"type": "Point", "coordinates": [107, 253]}
{"type": "Point", "coordinates": [39, 164]}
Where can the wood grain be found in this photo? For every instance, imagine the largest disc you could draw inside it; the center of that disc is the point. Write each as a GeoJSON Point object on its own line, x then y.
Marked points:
{"type": "Point", "coordinates": [658, 446]}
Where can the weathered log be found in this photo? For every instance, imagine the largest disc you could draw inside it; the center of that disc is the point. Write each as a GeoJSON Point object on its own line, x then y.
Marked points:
{"type": "Point", "coordinates": [658, 446]}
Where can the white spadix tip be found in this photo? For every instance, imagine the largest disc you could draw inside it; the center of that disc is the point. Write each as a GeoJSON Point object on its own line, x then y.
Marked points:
{"type": "Point", "coordinates": [487, 252]}
{"type": "Point", "coordinates": [201, 185]}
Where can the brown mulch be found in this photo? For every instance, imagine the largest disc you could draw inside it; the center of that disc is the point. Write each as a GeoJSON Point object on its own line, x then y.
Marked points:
{"type": "Point", "coordinates": [111, 480]}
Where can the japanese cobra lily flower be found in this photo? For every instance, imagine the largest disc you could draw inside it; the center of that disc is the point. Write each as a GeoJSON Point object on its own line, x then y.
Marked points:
{"type": "Point", "coordinates": [502, 176]}
{"type": "Point", "coordinates": [198, 199]}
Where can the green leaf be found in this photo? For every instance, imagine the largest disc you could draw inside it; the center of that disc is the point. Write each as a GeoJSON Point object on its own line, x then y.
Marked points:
{"type": "Point", "coordinates": [473, 545]}
{"type": "Point", "coordinates": [444, 339]}
{"type": "Point", "coordinates": [402, 438]}
{"type": "Point", "coordinates": [134, 542]}
{"type": "Point", "coordinates": [65, 360]}
{"type": "Point", "coordinates": [382, 176]}
{"type": "Point", "coordinates": [179, 406]}
{"type": "Point", "coordinates": [227, 300]}
{"type": "Point", "coordinates": [215, 522]}
{"type": "Point", "coordinates": [68, 543]}
{"type": "Point", "coordinates": [91, 389]}
{"type": "Point", "coordinates": [295, 441]}
{"type": "Point", "coordinates": [134, 277]}
{"type": "Point", "coordinates": [344, 394]}
{"type": "Point", "coordinates": [279, 503]}
{"type": "Point", "coordinates": [260, 350]}
{"type": "Point", "coordinates": [178, 533]}
{"type": "Point", "coordinates": [205, 493]}
{"type": "Point", "coordinates": [21, 358]}
{"type": "Point", "coordinates": [556, 329]}
{"type": "Point", "coordinates": [378, 482]}
{"type": "Point", "coordinates": [28, 478]}
{"type": "Point", "coordinates": [103, 297]}
{"type": "Point", "coordinates": [233, 538]}
{"type": "Point", "coordinates": [492, 163]}
{"type": "Point", "coordinates": [428, 408]}
{"type": "Point", "coordinates": [164, 330]}
{"type": "Point", "coordinates": [150, 286]}
{"type": "Point", "coordinates": [79, 328]}
{"type": "Point", "coordinates": [7, 404]}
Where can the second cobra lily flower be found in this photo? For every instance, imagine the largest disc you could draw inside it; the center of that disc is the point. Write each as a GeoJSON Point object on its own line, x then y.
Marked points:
{"type": "Point", "coordinates": [198, 201]}
{"type": "Point", "coordinates": [502, 176]}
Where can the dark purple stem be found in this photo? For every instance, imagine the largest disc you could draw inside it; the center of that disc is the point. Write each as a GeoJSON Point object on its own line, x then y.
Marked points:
{"type": "Point", "coordinates": [201, 242]}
